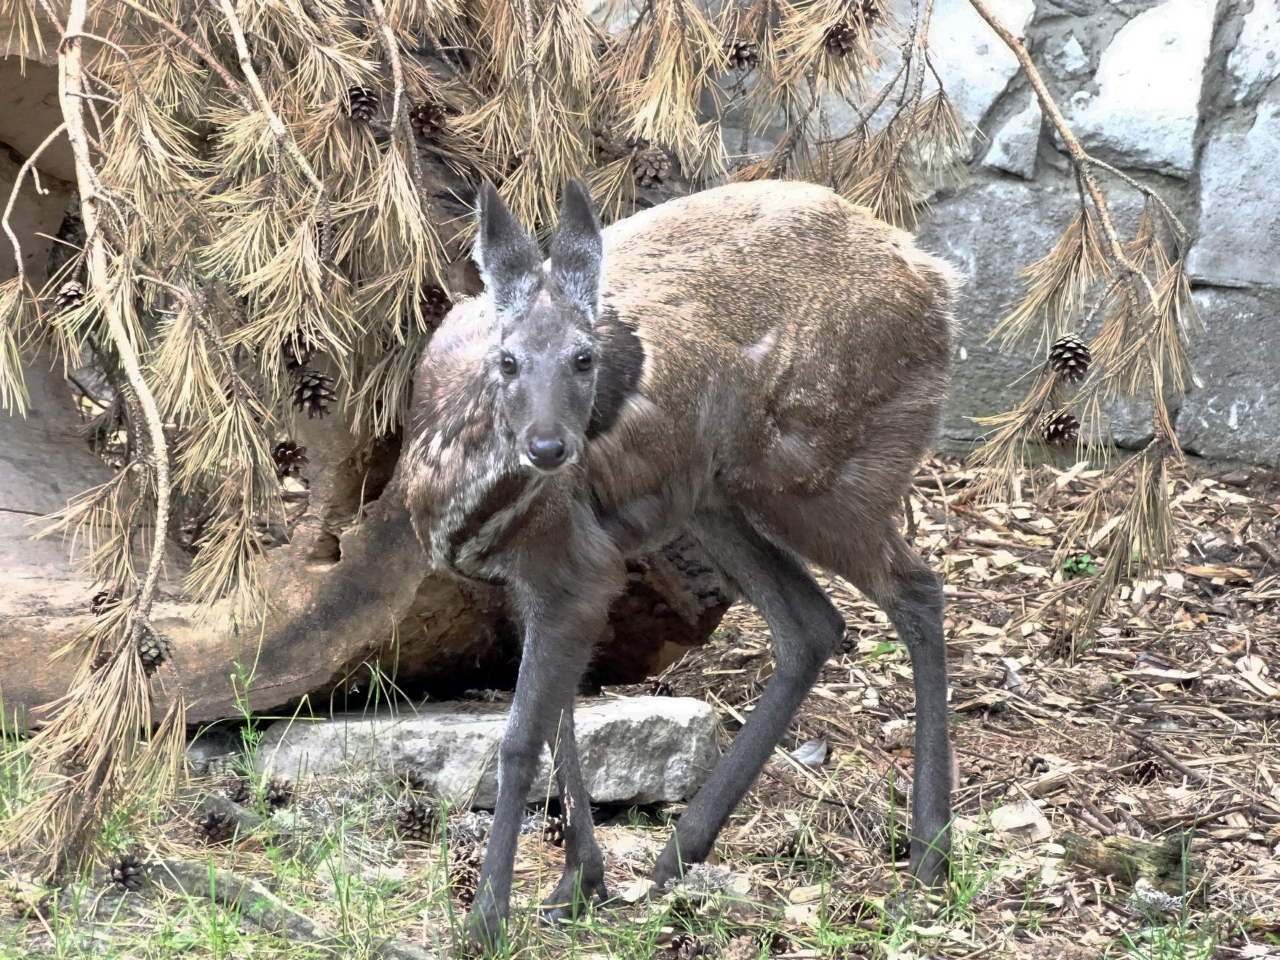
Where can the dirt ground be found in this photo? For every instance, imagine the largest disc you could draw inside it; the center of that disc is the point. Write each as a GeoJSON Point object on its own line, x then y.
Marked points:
{"type": "Point", "coordinates": [1121, 802]}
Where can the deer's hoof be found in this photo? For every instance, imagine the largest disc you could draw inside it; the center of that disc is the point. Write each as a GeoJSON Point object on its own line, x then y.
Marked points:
{"type": "Point", "coordinates": [571, 896]}
{"type": "Point", "coordinates": [483, 930]}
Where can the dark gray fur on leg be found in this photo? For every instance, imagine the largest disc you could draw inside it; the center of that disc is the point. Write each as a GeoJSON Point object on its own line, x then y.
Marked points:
{"type": "Point", "coordinates": [913, 602]}
{"type": "Point", "coordinates": [583, 879]}
{"type": "Point", "coordinates": [806, 630]}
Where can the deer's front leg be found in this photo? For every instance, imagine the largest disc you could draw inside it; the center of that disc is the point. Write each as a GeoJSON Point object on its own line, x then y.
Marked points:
{"type": "Point", "coordinates": [563, 597]}
{"type": "Point", "coordinates": [583, 879]}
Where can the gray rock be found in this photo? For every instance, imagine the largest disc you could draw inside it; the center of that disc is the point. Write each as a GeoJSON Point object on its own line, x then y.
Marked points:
{"type": "Point", "coordinates": [1236, 413]}
{"type": "Point", "coordinates": [1255, 60]}
{"type": "Point", "coordinates": [1239, 236]}
{"type": "Point", "coordinates": [1014, 146]}
{"type": "Point", "coordinates": [975, 65]}
{"type": "Point", "coordinates": [635, 750]}
{"type": "Point", "coordinates": [1149, 78]}
{"type": "Point", "coordinates": [1070, 60]}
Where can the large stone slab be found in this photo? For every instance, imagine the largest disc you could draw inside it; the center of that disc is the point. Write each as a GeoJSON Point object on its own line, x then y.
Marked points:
{"type": "Point", "coordinates": [635, 750]}
{"type": "Point", "coordinates": [1255, 60]}
{"type": "Point", "coordinates": [1239, 235]}
{"type": "Point", "coordinates": [1148, 89]}
{"type": "Point", "coordinates": [1236, 413]}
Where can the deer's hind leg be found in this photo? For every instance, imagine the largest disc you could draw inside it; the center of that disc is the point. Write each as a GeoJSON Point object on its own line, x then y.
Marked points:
{"type": "Point", "coordinates": [806, 631]}
{"type": "Point", "coordinates": [872, 556]}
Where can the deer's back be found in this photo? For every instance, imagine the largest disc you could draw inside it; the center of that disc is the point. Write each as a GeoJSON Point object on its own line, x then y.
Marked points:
{"type": "Point", "coordinates": [783, 329]}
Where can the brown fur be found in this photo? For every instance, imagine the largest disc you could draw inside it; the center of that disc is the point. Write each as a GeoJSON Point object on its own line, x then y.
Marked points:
{"type": "Point", "coordinates": [769, 366]}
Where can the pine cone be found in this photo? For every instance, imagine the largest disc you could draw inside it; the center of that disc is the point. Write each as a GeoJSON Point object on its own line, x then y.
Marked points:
{"type": "Point", "coordinates": [313, 393]}
{"type": "Point", "coordinates": [103, 602]}
{"type": "Point", "coordinates": [362, 103]}
{"type": "Point", "coordinates": [296, 351]}
{"type": "Point", "coordinates": [744, 55]}
{"type": "Point", "coordinates": [279, 793]}
{"type": "Point", "coordinates": [154, 649]}
{"type": "Point", "coordinates": [290, 459]}
{"type": "Point", "coordinates": [69, 296]}
{"type": "Point", "coordinates": [464, 876]}
{"type": "Point", "coordinates": [787, 847]}
{"type": "Point", "coordinates": [1031, 765]}
{"type": "Point", "coordinates": [841, 39]}
{"type": "Point", "coordinates": [1069, 357]}
{"type": "Point", "coordinates": [650, 167]}
{"type": "Point", "coordinates": [553, 831]}
{"type": "Point", "coordinates": [418, 822]}
{"type": "Point", "coordinates": [685, 946]}
{"type": "Point", "coordinates": [214, 828]}
{"type": "Point", "coordinates": [1060, 430]}
{"type": "Point", "coordinates": [871, 11]}
{"type": "Point", "coordinates": [848, 643]}
{"type": "Point", "coordinates": [435, 304]}
{"type": "Point", "coordinates": [239, 791]}
{"type": "Point", "coordinates": [127, 873]}
{"type": "Point", "coordinates": [428, 119]}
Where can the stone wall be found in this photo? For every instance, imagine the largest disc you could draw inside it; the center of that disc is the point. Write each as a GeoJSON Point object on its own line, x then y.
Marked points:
{"type": "Point", "coordinates": [1183, 95]}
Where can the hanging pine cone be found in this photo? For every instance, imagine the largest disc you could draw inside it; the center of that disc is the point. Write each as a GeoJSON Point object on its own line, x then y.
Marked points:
{"type": "Point", "coordinates": [435, 304]}
{"type": "Point", "coordinates": [464, 875]}
{"type": "Point", "coordinates": [418, 822]}
{"type": "Point", "coordinates": [239, 791]}
{"type": "Point", "coordinates": [870, 11]}
{"type": "Point", "coordinates": [1060, 430]}
{"type": "Point", "coordinates": [744, 55]}
{"type": "Point", "coordinates": [650, 167]}
{"type": "Point", "coordinates": [103, 602]}
{"type": "Point", "coordinates": [1069, 358]}
{"type": "Point", "coordinates": [841, 39]}
{"type": "Point", "coordinates": [685, 946]}
{"type": "Point", "coordinates": [69, 296]}
{"type": "Point", "coordinates": [154, 649]}
{"type": "Point", "coordinates": [428, 119]}
{"type": "Point", "coordinates": [279, 793]}
{"type": "Point", "coordinates": [290, 459]}
{"type": "Point", "coordinates": [553, 831]}
{"type": "Point", "coordinates": [127, 873]}
{"type": "Point", "coordinates": [313, 393]}
{"type": "Point", "coordinates": [362, 103]}
{"type": "Point", "coordinates": [296, 351]}
{"type": "Point", "coordinates": [214, 828]}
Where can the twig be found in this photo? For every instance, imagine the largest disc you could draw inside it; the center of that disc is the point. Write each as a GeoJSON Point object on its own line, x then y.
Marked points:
{"type": "Point", "coordinates": [1264, 550]}
{"type": "Point", "coordinates": [400, 128]}
{"type": "Point", "coordinates": [210, 60]}
{"type": "Point", "coordinates": [27, 166]}
{"type": "Point", "coordinates": [72, 69]}
{"type": "Point", "coordinates": [530, 75]}
{"type": "Point", "coordinates": [278, 129]}
{"type": "Point", "coordinates": [265, 910]}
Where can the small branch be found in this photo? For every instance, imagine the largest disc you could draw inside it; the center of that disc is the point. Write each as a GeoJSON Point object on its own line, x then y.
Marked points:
{"type": "Point", "coordinates": [278, 129]}
{"type": "Point", "coordinates": [1147, 743]}
{"type": "Point", "coordinates": [400, 128]}
{"type": "Point", "coordinates": [71, 67]}
{"type": "Point", "coordinates": [27, 167]}
{"type": "Point", "coordinates": [530, 76]}
{"type": "Point", "coordinates": [210, 60]}
{"type": "Point", "coordinates": [260, 907]}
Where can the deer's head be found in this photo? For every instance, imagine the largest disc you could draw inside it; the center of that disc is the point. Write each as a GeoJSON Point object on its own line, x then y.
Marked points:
{"type": "Point", "coordinates": [546, 356]}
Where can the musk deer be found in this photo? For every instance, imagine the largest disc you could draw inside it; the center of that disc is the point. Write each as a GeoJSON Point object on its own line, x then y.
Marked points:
{"type": "Point", "coordinates": [761, 365]}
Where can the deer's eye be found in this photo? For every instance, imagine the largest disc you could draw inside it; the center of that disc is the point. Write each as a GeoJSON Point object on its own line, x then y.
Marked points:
{"type": "Point", "coordinates": [582, 362]}
{"type": "Point", "coordinates": [508, 365]}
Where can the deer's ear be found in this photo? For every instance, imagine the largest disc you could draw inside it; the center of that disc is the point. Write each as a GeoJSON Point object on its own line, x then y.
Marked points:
{"type": "Point", "coordinates": [577, 249]}
{"type": "Point", "coordinates": [508, 258]}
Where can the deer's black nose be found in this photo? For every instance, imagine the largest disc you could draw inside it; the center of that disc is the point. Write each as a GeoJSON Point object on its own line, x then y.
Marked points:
{"type": "Point", "coordinates": [547, 454]}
